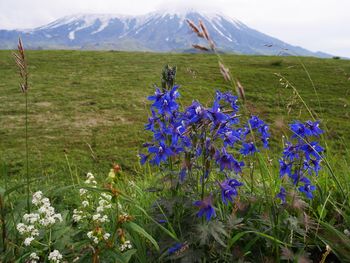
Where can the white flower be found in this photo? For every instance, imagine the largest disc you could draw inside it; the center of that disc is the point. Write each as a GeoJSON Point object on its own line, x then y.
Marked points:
{"type": "Point", "coordinates": [82, 191]}
{"type": "Point", "coordinates": [37, 196]}
{"type": "Point", "coordinates": [347, 232]}
{"type": "Point", "coordinates": [106, 236]}
{"type": "Point", "coordinates": [22, 228]}
{"type": "Point", "coordinates": [55, 256]}
{"type": "Point", "coordinates": [85, 203]}
{"type": "Point", "coordinates": [58, 216]}
{"type": "Point", "coordinates": [104, 219]}
{"type": "Point", "coordinates": [90, 176]}
{"type": "Point", "coordinates": [46, 201]}
{"type": "Point", "coordinates": [90, 234]}
{"type": "Point", "coordinates": [127, 245]}
{"type": "Point", "coordinates": [28, 241]}
{"type": "Point", "coordinates": [31, 218]}
{"type": "Point", "coordinates": [34, 256]}
{"type": "Point", "coordinates": [90, 179]}
{"type": "Point", "coordinates": [77, 215]}
{"type": "Point", "coordinates": [96, 217]}
{"type": "Point", "coordinates": [106, 196]}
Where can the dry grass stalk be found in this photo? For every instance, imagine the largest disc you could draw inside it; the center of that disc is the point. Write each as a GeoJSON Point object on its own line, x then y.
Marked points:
{"type": "Point", "coordinates": [200, 47]}
{"type": "Point", "coordinates": [240, 89]}
{"type": "Point", "coordinates": [204, 29]}
{"type": "Point", "coordinates": [325, 254]}
{"type": "Point", "coordinates": [194, 28]}
{"type": "Point", "coordinates": [287, 254]}
{"type": "Point", "coordinates": [224, 71]}
{"type": "Point", "coordinates": [21, 63]}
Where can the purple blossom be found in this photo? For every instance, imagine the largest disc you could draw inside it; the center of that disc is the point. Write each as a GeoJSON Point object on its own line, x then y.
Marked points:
{"type": "Point", "coordinates": [248, 149]}
{"type": "Point", "coordinates": [227, 161]}
{"type": "Point", "coordinates": [175, 248]}
{"type": "Point", "coordinates": [161, 153]}
{"type": "Point", "coordinates": [282, 195]}
{"type": "Point", "coordinates": [229, 189]}
{"type": "Point", "coordinates": [206, 208]}
{"type": "Point", "coordinates": [307, 189]}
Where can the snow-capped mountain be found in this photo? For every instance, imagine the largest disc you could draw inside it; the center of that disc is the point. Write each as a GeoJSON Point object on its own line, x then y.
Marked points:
{"type": "Point", "coordinates": [158, 31]}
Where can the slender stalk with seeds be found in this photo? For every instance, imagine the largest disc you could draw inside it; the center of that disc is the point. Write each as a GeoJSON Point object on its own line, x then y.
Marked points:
{"type": "Point", "coordinates": [22, 66]}
{"type": "Point", "coordinates": [202, 32]}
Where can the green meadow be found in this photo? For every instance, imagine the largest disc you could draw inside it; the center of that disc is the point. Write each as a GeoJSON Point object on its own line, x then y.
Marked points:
{"type": "Point", "coordinates": [90, 107]}
{"type": "Point", "coordinates": [86, 113]}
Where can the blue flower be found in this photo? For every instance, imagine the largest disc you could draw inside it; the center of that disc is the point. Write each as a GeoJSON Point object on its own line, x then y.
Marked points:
{"type": "Point", "coordinates": [165, 102]}
{"type": "Point", "coordinates": [206, 208]}
{"type": "Point", "coordinates": [157, 95]}
{"type": "Point", "coordinates": [307, 189]}
{"type": "Point", "coordinates": [265, 136]}
{"type": "Point", "coordinates": [312, 149]}
{"type": "Point", "coordinates": [312, 166]}
{"type": "Point", "coordinates": [259, 125]}
{"type": "Point", "coordinates": [255, 122]}
{"type": "Point", "coordinates": [229, 189]}
{"type": "Point", "coordinates": [313, 128]}
{"type": "Point", "coordinates": [175, 248]}
{"type": "Point", "coordinates": [285, 168]}
{"type": "Point", "coordinates": [230, 136]}
{"type": "Point", "coordinates": [282, 195]}
{"type": "Point", "coordinates": [299, 130]}
{"type": "Point", "coordinates": [290, 152]}
{"type": "Point", "coordinates": [298, 177]}
{"type": "Point", "coordinates": [161, 153]}
{"type": "Point", "coordinates": [196, 112]}
{"type": "Point", "coordinates": [248, 149]}
{"type": "Point", "coordinates": [216, 116]}
{"type": "Point", "coordinates": [226, 161]}
{"type": "Point", "coordinates": [143, 158]}
{"type": "Point", "coordinates": [151, 122]}
{"type": "Point", "coordinates": [182, 174]}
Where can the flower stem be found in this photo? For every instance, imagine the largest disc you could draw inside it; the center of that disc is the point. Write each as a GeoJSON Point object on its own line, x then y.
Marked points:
{"type": "Point", "coordinates": [27, 154]}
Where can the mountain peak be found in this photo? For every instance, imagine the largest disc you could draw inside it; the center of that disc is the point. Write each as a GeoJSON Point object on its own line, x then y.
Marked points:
{"type": "Point", "coordinates": [160, 31]}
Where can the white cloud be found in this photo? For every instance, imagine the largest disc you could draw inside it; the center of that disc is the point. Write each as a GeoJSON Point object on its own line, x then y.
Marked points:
{"type": "Point", "coordinates": [313, 24]}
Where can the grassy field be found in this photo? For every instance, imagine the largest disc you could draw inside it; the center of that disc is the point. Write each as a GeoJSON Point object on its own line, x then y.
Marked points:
{"type": "Point", "coordinates": [90, 107]}
{"type": "Point", "coordinates": [87, 111]}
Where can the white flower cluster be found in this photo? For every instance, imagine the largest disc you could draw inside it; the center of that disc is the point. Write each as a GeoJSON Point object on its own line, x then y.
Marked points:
{"type": "Point", "coordinates": [90, 179]}
{"type": "Point", "coordinates": [95, 237]}
{"type": "Point", "coordinates": [55, 256]}
{"type": "Point", "coordinates": [78, 215]}
{"type": "Point", "coordinates": [125, 246]}
{"type": "Point", "coordinates": [33, 258]}
{"type": "Point", "coordinates": [93, 210]}
{"type": "Point", "coordinates": [45, 216]}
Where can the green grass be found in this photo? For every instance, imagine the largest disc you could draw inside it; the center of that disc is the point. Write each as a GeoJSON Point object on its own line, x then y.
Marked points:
{"type": "Point", "coordinates": [91, 106]}
{"type": "Point", "coordinates": [87, 111]}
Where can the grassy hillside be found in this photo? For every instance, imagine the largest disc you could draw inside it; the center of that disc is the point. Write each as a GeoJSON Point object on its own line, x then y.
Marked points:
{"type": "Point", "coordinates": [90, 107]}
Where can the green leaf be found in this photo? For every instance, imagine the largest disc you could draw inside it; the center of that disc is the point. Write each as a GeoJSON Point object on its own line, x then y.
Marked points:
{"type": "Point", "coordinates": [322, 211]}
{"type": "Point", "coordinates": [136, 228]}
{"type": "Point", "coordinates": [128, 254]}
{"type": "Point", "coordinates": [172, 235]}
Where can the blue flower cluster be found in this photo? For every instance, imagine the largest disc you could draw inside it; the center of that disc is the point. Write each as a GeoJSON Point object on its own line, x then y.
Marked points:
{"type": "Point", "coordinates": [206, 136]}
{"type": "Point", "coordinates": [301, 158]}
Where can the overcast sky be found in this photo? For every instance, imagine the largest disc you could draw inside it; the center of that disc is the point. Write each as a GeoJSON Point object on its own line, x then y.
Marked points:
{"type": "Point", "coordinates": [313, 24]}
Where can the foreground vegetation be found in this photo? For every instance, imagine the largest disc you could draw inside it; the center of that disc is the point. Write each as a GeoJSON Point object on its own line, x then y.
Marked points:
{"type": "Point", "coordinates": [87, 113]}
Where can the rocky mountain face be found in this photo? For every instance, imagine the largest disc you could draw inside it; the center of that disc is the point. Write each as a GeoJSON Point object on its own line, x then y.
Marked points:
{"type": "Point", "coordinates": [158, 32]}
